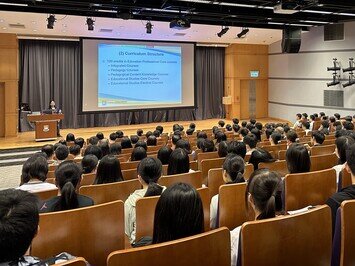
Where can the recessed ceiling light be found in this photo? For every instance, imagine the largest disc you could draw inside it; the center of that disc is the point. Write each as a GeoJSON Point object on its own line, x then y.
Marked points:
{"type": "Point", "coordinates": [4, 28]}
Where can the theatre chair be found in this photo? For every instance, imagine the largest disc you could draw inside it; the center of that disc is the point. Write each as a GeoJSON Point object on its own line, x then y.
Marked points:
{"type": "Point", "coordinates": [145, 210]}
{"type": "Point", "coordinates": [127, 150]}
{"type": "Point", "coordinates": [278, 166]}
{"type": "Point", "coordinates": [91, 232]}
{"type": "Point", "coordinates": [129, 174]}
{"type": "Point", "coordinates": [87, 179]}
{"type": "Point", "coordinates": [247, 158]}
{"type": "Point", "coordinates": [124, 157]}
{"type": "Point", "coordinates": [313, 188]}
{"type": "Point", "coordinates": [207, 249]}
{"type": "Point", "coordinates": [305, 139]}
{"type": "Point", "coordinates": [47, 194]}
{"type": "Point", "coordinates": [282, 155]}
{"type": "Point", "coordinates": [51, 174]}
{"type": "Point", "coordinates": [194, 179]}
{"type": "Point", "coordinates": [275, 149]}
{"type": "Point", "coordinates": [110, 192]}
{"type": "Point", "coordinates": [293, 240]}
{"type": "Point", "coordinates": [215, 178]}
{"type": "Point", "coordinates": [206, 155]}
{"type": "Point", "coordinates": [154, 148]}
{"type": "Point", "coordinates": [321, 162]}
{"type": "Point", "coordinates": [129, 165]}
{"type": "Point", "coordinates": [75, 262]}
{"type": "Point", "coordinates": [208, 164]}
{"type": "Point", "coordinates": [231, 205]}
{"type": "Point", "coordinates": [344, 179]}
{"type": "Point", "coordinates": [301, 134]}
{"type": "Point", "coordinates": [329, 142]}
{"type": "Point", "coordinates": [323, 149]}
{"type": "Point", "coordinates": [330, 136]}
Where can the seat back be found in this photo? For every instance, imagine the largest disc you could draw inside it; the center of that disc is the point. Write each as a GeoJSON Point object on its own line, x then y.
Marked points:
{"type": "Point", "coordinates": [300, 239]}
{"type": "Point", "coordinates": [347, 255]}
{"type": "Point", "coordinates": [87, 179]}
{"type": "Point", "coordinates": [321, 162]}
{"type": "Point", "coordinates": [278, 166]}
{"type": "Point", "coordinates": [275, 149]}
{"type": "Point", "coordinates": [129, 165]}
{"type": "Point", "coordinates": [329, 142]}
{"type": "Point", "coordinates": [282, 155]}
{"type": "Point", "coordinates": [195, 250]}
{"type": "Point", "coordinates": [208, 164]}
{"type": "Point", "coordinates": [47, 194]}
{"type": "Point", "coordinates": [345, 179]}
{"type": "Point", "coordinates": [145, 210]}
{"type": "Point", "coordinates": [74, 262]}
{"type": "Point", "coordinates": [93, 232]}
{"type": "Point", "coordinates": [313, 188]}
{"type": "Point", "coordinates": [193, 178]}
{"type": "Point", "coordinates": [206, 155]}
{"type": "Point", "coordinates": [231, 204]}
{"type": "Point", "coordinates": [111, 192]}
{"type": "Point", "coordinates": [322, 149]}
{"type": "Point", "coordinates": [129, 174]}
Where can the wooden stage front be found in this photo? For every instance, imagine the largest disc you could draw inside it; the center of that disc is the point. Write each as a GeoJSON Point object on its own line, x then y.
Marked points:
{"type": "Point", "coordinates": [26, 139]}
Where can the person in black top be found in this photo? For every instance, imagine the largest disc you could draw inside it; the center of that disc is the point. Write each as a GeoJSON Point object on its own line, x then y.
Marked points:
{"type": "Point", "coordinates": [67, 179]}
{"type": "Point", "coordinates": [347, 193]}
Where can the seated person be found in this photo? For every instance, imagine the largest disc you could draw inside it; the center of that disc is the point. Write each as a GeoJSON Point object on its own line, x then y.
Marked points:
{"type": "Point", "coordinates": [100, 136]}
{"type": "Point", "coordinates": [184, 144]}
{"type": "Point", "coordinates": [264, 191]}
{"type": "Point", "coordinates": [89, 164]}
{"type": "Point", "coordinates": [174, 139]}
{"type": "Point", "coordinates": [120, 134]}
{"type": "Point", "coordinates": [34, 174]}
{"type": "Point", "coordinates": [238, 148]}
{"type": "Point", "coordinates": [229, 127]}
{"type": "Point", "coordinates": [49, 151]}
{"type": "Point", "coordinates": [138, 153]}
{"type": "Point", "coordinates": [139, 132]}
{"type": "Point", "coordinates": [142, 144]}
{"type": "Point", "coordinates": [67, 178]}
{"type": "Point", "coordinates": [202, 134]}
{"type": "Point", "coordinates": [298, 159]}
{"type": "Point", "coordinates": [244, 132]}
{"type": "Point", "coordinates": [61, 154]}
{"type": "Point", "coordinates": [94, 150]}
{"type": "Point", "coordinates": [219, 137]}
{"type": "Point", "coordinates": [298, 123]}
{"type": "Point", "coordinates": [149, 171]}
{"type": "Point", "coordinates": [324, 127]}
{"type": "Point", "coordinates": [250, 141]}
{"type": "Point", "coordinates": [151, 141]}
{"type": "Point", "coordinates": [179, 162]}
{"type": "Point", "coordinates": [223, 149]}
{"type": "Point", "coordinates": [342, 147]}
{"type": "Point", "coordinates": [347, 193]}
{"type": "Point", "coordinates": [126, 143]}
{"type": "Point", "coordinates": [221, 123]}
{"type": "Point", "coordinates": [160, 129]}
{"type": "Point", "coordinates": [104, 146]}
{"type": "Point", "coordinates": [192, 126]}
{"type": "Point", "coordinates": [115, 149]}
{"type": "Point", "coordinates": [208, 146]}
{"type": "Point", "coordinates": [190, 131]}
{"type": "Point", "coordinates": [306, 127]}
{"type": "Point", "coordinates": [112, 137]}
{"type": "Point", "coordinates": [75, 151]}
{"type": "Point", "coordinates": [291, 137]}
{"type": "Point", "coordinates": [108, 170]}
{"type": "Point", "coordinates": [275, 138]}
{"type": "Point", "coordinates": [70, 137]}
{"type": "Point", "coordinates": [260, 156]}
{"type": "Point", "coordinates": [93, 140]}
{"type": "Point", "coordinates": [318, 138]}
{"type": "Point", "coordinates": [233, 170]}
{"type": "Point", "coordinates": [134, 139]}
{"type": "Point", "coordinates": [164, 154]}
{"type": "Point", "coordinates": [156, 133]}
{"type": "Point", "coordinates": [19, 220]}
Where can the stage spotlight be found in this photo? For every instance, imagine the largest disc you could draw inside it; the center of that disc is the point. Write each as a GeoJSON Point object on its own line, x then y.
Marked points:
{"type": "Point", "coordinates": [149, 27]}
{"type": "Point", "coordinates": [223, 31]}
{"type": "Point", "coordinates": [91, 23]}
{"type": "Point", "coordinates": [243, 33]}
{"type": "Point", "coordinates": [51, 19]}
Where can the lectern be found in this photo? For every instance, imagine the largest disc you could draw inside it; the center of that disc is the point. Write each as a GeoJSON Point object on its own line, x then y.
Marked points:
{"type": "Point", "coordinates": [45, 125]}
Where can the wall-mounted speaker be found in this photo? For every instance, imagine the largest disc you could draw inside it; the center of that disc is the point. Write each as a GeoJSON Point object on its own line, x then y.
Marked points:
{"type": "Point", "coordinates": [291, 40]}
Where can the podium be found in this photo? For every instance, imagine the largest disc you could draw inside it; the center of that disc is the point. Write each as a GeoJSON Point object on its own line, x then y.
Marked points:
{"type": "Point", "coordinates": [45, 125]}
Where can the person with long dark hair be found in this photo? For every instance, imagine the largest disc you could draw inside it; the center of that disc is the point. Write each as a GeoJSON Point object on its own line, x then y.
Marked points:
{"type": "Point", "coordinates": [149, 171]}
{"type": "Point", "coordinates": [178, 162]}
{"type": "Point", "coordinates": [67, 178]}
{"type": "Point", "coordinates": [108, 170]}
{"type": "Point", "coordinates": [233, 170]}
{"type": "Point", "coordinates": [263, 195]}
{"type": "Point", "coordinates": [164, 154]}
{"type": "Point", "coordinates": [260, 156]}
{"type": "Point", "coordinates": [343, 145]}
{"type": "Point", "coordinates": [298, 159]}
{"type": "Point", "coordinates": [89, 164]}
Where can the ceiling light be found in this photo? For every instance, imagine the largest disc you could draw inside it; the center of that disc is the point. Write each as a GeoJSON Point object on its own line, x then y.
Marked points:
{"type": "Point", "coordinates": [91, 23]}
{"type": "Point", "coordinates": [149, 27]}
{"type": "Point", "coordinates": [223, 31]}
{"type": "Point", "coordinates": [51, 19]}
{"type": "Point", "coordinates": [243, 33]}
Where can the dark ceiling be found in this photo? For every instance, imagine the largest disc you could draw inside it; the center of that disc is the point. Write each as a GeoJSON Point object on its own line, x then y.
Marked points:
{"type": "Point", "coordinates": [242, 13]}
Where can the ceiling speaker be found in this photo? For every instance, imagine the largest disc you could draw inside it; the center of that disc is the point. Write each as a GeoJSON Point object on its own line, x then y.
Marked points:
{"type": "Point", "coordinates": [291, 40]}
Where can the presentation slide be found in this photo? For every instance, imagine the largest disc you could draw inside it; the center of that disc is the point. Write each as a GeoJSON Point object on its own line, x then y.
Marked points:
{"type": "Point", "coordinates": [129, 75]}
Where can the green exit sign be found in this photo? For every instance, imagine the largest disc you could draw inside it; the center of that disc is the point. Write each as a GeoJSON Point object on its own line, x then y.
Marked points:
{"type": "Point", "coordinates": [254, 74]}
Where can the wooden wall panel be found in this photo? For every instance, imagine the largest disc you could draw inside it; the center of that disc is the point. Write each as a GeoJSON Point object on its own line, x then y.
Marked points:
{"type": "Point", "coordinates": [239, 61]}
{"type": "Point", "coordinates": [9, 80]}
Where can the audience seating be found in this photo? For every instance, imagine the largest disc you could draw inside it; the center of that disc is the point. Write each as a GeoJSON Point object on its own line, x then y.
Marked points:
{"type": "Point", "coordinates": [129, 174]}
{"type": "Point", "coordinates": [247, 158]}
{"type": "Point", "coordinates": [51, 180]}
{"type": "Point", "coordinates": [91, 232]}
{"type": "Point", "coordinates": [321, 162]}
{"type": "Point", "coordinates": [215, 178]}
{"type": "Point", "coordinates": [111, 192]}
{"type": "Point", "coordinates": [74, 262]}
{"type": "Point", "coordinates": [275, 149]}
{"type": "Point", "coordinates": [124, 157]}
{"type": "Point", "coordinates": [347, 255]}
{"type": "Point", "coordinates": [193, 166]}
{"type": "Point", "coordinates": [278, 166]}
{"type": "Point", "coordinates": [329, 142]}
{"type": "Point", "coordinates": [322, 149]}
{"type": "Point", "coordinates": [206, 155]}
{"type": "Point", "coordinates": [313, 188]}
{"type": "Point", "coordinates": [126, 151]}
{"type": "Point", "coordinates": [195, 250]}
{"type": "Point", "coordinates": [231, 205]}
{"type": "Point", "coordinates": [345, 179]}
{"type": "Point", "coordinates": [129, 165]}
{"type": "Point", "coordinates": [145, 210]}
{"type": "Point", "coordinates": [282, 155]}
{"type": "Point", "coordinates": [208, 164]}
{"type": "Point", "coordinates": [87, 179]}
{"type": "Point", "coordinates": [51, 174]}
{"type": "Point", "coordinates": [301, 239]}
{"type": "Point", "coordinates": [193, 178]}
{"type": "Point", "coordinates": [47, 194]}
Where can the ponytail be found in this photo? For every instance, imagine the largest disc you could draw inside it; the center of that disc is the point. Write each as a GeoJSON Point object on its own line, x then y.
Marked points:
{"type": "Point", "coordinates": [153, 190]}
{"type": "Point", "coordinates": [68, 198]}
{"type": "Point", "coordinates": [270, 209]}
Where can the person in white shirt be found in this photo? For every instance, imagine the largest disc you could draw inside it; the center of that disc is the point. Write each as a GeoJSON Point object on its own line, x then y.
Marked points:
{"type": "Point", "coordinates": [264, 197]}
{"type": "Point", "coordinates": [250, 141]}
{"type": "Point", "coordinates": [298, 122]}
{"type": "Point", "coordinates": [342, 144]}
{"type": "Point", "coordinates": [34, 174]}
{"type": "Point", "coordinates": [311, 122]}
{"type": "Point", "coordinates": [233, 170]}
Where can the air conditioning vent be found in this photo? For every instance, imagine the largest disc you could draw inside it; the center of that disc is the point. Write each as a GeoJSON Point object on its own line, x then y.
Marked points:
{"type": "Point", "coordinates": [334, 32]}
{"type": "Point", "coordinates": [106, 30]}
{"type": "Point", "coordinates": [17, 26]}
{"type": "Point", "coordinates": [334, 98]}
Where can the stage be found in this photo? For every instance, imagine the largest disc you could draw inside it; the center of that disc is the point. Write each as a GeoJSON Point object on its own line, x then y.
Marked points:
{"type": "Point", "coordinates": [26, 139]}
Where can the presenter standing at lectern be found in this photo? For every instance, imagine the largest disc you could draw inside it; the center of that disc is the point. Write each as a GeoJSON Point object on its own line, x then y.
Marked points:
{"type": "Point", "coordinates": [55, 110]}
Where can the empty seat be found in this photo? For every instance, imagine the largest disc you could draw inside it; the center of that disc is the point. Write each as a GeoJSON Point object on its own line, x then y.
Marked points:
{"type": "Point", "coordinates": [278, 166]}
{"type": "Point", "coordinates": [322, 149]}
{"type": "Point", "coordinates": [92, 232]}
{"type": "Point", "coordinates": [301, 239]}
{"type": "Point", "coordinates": [193, 178]}
{"type": "Point", "coordinates": [313, 188]}
{"type": "Point", "coordinates": [201, 249]}
{"type": "Point", "coordinates": [321, 162]}
{"type": "Point", "coordinates": [111, 192]}
{"type": "Point", "coordinates": [47, 194]}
